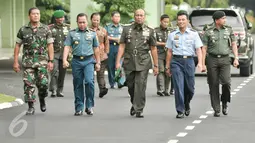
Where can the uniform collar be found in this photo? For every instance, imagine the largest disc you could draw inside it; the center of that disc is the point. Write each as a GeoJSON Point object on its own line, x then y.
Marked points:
{"type": "Point", "coordinates": [78, 30]}
{"type": "Point", "coordinates": [139, 26]}
{"type": "Point", "coordinates": [29, 25]}
{"type": "Point", "coordinates": [115, 25]}
{"type": "Point", "coordinates": [99, 28]}
{"type": "Point", "coordinates": [186, 31]}
{"type": "Point", "coordinates": [161, 28]}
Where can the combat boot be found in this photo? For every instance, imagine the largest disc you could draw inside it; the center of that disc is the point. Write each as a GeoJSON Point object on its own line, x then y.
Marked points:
{"type": "Point", "coordinates": [31, 109]}
{"type": "Point", "coordinates": [42, 104]}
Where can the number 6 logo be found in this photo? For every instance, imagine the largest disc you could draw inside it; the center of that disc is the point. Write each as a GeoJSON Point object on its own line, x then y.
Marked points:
{"type": "Point", "coordinates": [15, 122]}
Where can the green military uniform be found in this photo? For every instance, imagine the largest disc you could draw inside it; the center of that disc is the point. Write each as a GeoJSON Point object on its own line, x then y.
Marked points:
{"type": "Point", "coordinates": [59, 33]}
{"type": "Point", "coordinates": [218, 62]}
{"type": "Point", "coordinates": [163, 80]}
{"type": "Point", "coordinates": [35, 59]}
{"type": "Point", "coordinates": [138, 40]}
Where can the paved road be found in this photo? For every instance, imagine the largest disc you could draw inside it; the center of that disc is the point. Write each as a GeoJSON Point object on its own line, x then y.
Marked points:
{"type": "Point", "coordinates": [112, 123]}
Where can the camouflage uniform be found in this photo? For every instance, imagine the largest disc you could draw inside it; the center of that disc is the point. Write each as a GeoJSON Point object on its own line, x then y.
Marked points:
{"type": "Point", "coordinates": [59, 33]}
{"type": "Point", "coordinates": [35, 59]}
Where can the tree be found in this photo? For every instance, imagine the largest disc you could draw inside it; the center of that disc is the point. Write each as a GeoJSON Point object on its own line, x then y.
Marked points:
{"type": "Point", "coordinates": [125, 7]}
{"type": "Point", "coordinates": [47, 8]}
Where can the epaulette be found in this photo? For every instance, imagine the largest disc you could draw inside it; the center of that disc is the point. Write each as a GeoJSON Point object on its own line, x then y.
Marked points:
{"type": "Point", "coordinates": [125, 25]}
{"type": "Point", "coordinates": [173, 30]}
{"type": "Point", "coordinates": [191, 29]}
{"type": "Point", "coordinates": [107, 24]}
{"type": "Point", "coordinates": [156, 28]}
{"type": "Point", "coordinates": [91, 29]}
{"type": "Point", "coordinates": [227, 26]}
{"type": "Point", "coordinates": [67, 24]}
{"type": "Point", "coordinates": [150, 27]}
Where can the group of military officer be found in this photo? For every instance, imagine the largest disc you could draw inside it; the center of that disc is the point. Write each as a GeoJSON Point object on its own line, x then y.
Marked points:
{"type": "Point", "coordinates": [95, 48]}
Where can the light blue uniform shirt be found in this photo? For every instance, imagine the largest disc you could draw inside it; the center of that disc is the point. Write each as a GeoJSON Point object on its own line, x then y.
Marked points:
{"type": "Point", "coordinates": [82, 42]}
{"type": "Point", "coordinates": [184, 44]}
{"type": "Point", "coordinates": [114, 31]}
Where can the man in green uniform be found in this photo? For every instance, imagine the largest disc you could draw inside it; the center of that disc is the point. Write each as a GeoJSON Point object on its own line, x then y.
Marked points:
{"type": "Point", "coordinates": [38, 55]}
{"type": "Point", "coordinates": [163, 80]}
{"type": "Point", "coordinates": [135, 43]}
{"type": "Point", "coordinates": [217, 42]}
{"type": "Point", "coordinates": [59, 32]}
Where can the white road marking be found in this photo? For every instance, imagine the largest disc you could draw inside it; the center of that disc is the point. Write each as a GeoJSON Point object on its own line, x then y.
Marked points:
{"type": "Point", "coordinates": [209, 112]}
{"type": "Point", "coordinates": [197, 121]}
{"type": "Point", "coordinates": [189, 127]}
{"type": "Point", "coordinates": [236, 90]}
{"type": "Point", "coordinates": [251, 77]}
{"type": "Point", "coordinates": [5, 105]}
{"type": "Point", "coordinates": [246, 81]}
{"type": "Point", "coordinates": [243, 84]}
{"type": "Point", "coordinates": [203, 116]}
{"type": "Point", "coordinates": [182, 134]}
{"type": "Point", "coordinates": [172, 141]}
{"type": "Point", "coordinates": [239, 86]}
{"type": "Point", "coordinates": [233, 93]}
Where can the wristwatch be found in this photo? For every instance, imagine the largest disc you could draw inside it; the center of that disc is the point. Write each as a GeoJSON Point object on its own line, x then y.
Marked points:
{"type": "Point", "coordinates": [155, 66]}
{"type": "Point", "coordinates": [52, 61]}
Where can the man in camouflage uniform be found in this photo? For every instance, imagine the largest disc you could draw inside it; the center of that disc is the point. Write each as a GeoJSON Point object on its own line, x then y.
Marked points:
{"type": "Point", "coordinates": [59, 33]}
{"type": "Point", "coordinates": [38, 54]}
{"type": "Point", "coordinates": [217, 42]}
{"type": "Point", "coordinates": [103, 49]}
{"type": "Point", "coordinates": [163, 80]}
{"type": "Point", "coordinates": [135, 43]}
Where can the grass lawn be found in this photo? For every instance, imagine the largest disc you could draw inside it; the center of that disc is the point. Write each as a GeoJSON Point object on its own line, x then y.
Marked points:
{"type": "Point", "coordinates": [6, 98]}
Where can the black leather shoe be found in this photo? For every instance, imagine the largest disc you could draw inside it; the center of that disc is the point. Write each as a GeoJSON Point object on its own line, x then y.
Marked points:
{"type": "Point", "coordinates": [60, 95]}
{"type": "Point", "coordinates": [79, 113]}
{"type": "Point", "coordinates": [166, 94]}
{"type": "Point", "coordinates": [42, 104]}
{"type": "Point", "coordinates": [171, 92]}
{"type": "Point", "coordinates": [180, 115]}
{"type": "Point", "coordinates": [31, 109]}
{"type": "Point", "coordinates": [216, 114]}
{"type": "Point", "coordinates": [187, 109]}
{"type": "Point", "coordinates": [225, 109]}
{"type": "Point", "coordinates": [103, 92]}
{"type": "Point", "coordinates": [160, 93]}
{"type": "Point", "coordinates": [139, 115]}
{"type": "Point", "coordinates": [53, 95]}
{"type": "Point", "coordinates": [132, 111]}
{"type": "Point", "coordinates": [89, 111]}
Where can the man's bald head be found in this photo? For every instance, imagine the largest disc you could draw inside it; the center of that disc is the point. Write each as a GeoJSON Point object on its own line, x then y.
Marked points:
{"type": "Point", "coordinates": [139, 16]}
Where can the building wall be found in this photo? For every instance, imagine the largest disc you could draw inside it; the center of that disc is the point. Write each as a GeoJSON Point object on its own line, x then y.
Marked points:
{"type": "Point", "coordinates": [13, 14]}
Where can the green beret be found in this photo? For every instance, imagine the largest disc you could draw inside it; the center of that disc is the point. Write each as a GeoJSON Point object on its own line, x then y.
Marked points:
{"type": "Point", "coordinates": [59, 13]}
{"type": "Point", "coordinates": [218, 14]}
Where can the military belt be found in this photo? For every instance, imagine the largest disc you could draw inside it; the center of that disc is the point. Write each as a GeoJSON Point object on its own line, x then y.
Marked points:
{"type": "Point", "coordinates": [81, 57]}
{"type": "Point", "coordinates": [181, 56]}
{"type": "Point", "coordinates": [218, 56]}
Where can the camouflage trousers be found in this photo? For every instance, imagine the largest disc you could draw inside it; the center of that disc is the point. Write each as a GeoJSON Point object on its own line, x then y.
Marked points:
{"type": "Point", "coordinates": [35, 77]}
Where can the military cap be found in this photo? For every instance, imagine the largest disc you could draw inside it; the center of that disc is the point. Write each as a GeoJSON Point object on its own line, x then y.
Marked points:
{"type": "Point", "coordinates": [218, 14]}
{"type": "Point", "coordinates": [59, 13]}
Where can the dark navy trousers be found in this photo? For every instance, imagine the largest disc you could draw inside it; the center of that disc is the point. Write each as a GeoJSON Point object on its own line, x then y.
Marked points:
{"type": "Point", "coordinates": [183, 75]}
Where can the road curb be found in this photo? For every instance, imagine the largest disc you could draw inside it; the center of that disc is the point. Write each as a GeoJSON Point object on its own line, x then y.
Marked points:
{"type": "Point", "coordinates": [15, 103]}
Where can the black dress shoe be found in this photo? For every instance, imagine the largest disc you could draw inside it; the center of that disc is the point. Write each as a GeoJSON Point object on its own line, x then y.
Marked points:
{"type": "Point", "coordinates": [180, 115]}
{"type": "Point", "coordinates": [216, 114]}
{"type": "Point", "coordinates": [60, 95]}
{"type": "Point", "coordinates": [171, 92]}
{"type": "Point", "coordinates": [139, 115]}
{"type": "Point", "coordinates": [89, 111]}
{"type": "Point", "coordinates": [166, 94]}
{"type": "Point", "coordinates": [79, 113]}
{"type": "Point", "coordinates": [160, 93]}
{"type": "Point", "coordinates": [42, 104]}
{"type": "Point", "coordinates": [103, 92]}
{"type": "Point", "coordinates": [132, 111]}
{"type": "Point", "coordinates": [225, 109]}
{"type": "Point", "coordinates": [187, 109]}
{"type": "Point", "coordinates": [53, 95]}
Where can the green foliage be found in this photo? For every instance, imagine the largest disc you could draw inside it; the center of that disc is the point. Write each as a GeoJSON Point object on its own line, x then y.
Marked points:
{"type": "Point", "coordinates": [48, 7]}
{"type": "Point", "coordinates": [125, 7]}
